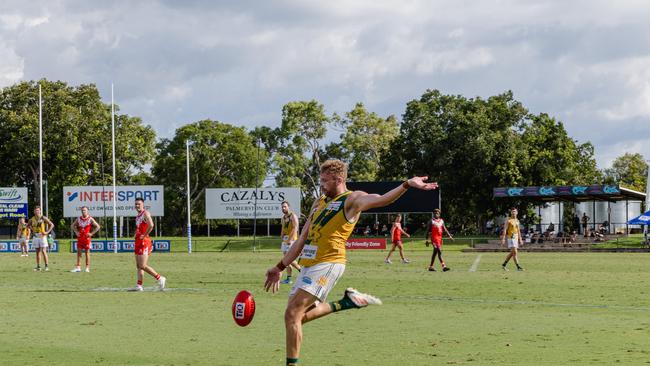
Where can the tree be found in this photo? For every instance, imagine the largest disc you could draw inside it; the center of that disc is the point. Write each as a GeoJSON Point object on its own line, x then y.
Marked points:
{"type": "Point", "coordinates": [629, 170]}
{"type": "Point", "coordinates": [221, 155]}
{"type": "Point", "coordinates": [472, 145]}
{"type": "Point", "coordinates": [552, 157]}
{"type": "Point", "coordinates": [76, 124]}
{"type": "Point", "coordinates": [367, 137]}
{"type": "Point", "coordinates": [296, 147]}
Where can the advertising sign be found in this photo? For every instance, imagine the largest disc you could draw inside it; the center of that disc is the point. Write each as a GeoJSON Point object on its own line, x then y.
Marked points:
{"type": "Point", "coordinates": [123, 246]}
{"type": "Point", "coordinates": [13, 246]}
{"type": "Point", "coordinates": [239, 203]}
{"type": "Point", "coordinates": [99, 200]}
{"type": "Point", "coordinates": [366, 243]}
{"type": "Point", "coordinates": [13, 203]}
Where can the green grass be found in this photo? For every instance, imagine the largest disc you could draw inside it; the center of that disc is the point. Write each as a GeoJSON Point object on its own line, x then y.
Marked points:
{"type": "Point", "coordinates": [630, 241]}
{"type": "Point", "coordinates": [565, 309]}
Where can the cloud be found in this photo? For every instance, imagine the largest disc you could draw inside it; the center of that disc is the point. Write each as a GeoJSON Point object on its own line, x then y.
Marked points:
{"type": "Point", "coordinates": [175, 62]}
{"type": "Point", "coordinates": [11, 65]}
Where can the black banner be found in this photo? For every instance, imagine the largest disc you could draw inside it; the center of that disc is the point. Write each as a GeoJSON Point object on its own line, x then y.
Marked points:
{"type": "Point", "coordinates": [414, 200]}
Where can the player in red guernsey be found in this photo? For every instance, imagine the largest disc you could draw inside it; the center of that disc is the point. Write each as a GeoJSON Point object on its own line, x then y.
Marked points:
{"type": "Point", "coordinates": [83, 228]}
{"type": "Point", "coordinates": [435, 228]}
{"type": "Point", "coordinates": [144, 225]}
{"type": "Point", "coordinates": [396, 235]}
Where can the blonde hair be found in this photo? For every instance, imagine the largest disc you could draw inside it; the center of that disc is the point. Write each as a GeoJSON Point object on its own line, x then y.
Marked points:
{"type": "Point", "coordinates": [335, 167]}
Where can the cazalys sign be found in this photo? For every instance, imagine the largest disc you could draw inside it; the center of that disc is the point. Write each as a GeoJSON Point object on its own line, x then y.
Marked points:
{"type": "Point", "coordinates": [239, 203]}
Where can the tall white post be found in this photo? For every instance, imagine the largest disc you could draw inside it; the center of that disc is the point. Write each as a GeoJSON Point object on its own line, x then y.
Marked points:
{"type": "Point", "coordinates": [40, 147]}
{"type": "Point", "coordinates": [114, 172]}
{"type": "Point", "coordinates": [647, 202]}
{"type": "Point", "coordinates": [189, 211]}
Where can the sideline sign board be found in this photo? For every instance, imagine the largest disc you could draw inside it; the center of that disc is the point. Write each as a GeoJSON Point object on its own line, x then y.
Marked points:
{"type": "Point", "coordinates": [239, 203]}
{"type": "Point", "coordinates": [98, 197]}
{"type": "Point", "coordinates": [366, 243]}
{"type": "Point", "coordinates": [13, 246]}
{"type": "Point", "coordinates": [13, 203]}
{"type": "Point", "coordinates": [123, 246]}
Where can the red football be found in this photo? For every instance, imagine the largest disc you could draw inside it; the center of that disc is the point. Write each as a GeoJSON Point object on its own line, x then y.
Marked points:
{"type": "Point", "coordinates": [243, 308]}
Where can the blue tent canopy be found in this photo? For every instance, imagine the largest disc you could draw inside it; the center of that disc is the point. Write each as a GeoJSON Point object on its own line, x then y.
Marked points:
{"type": "Point", "coordinates": [643, 219]}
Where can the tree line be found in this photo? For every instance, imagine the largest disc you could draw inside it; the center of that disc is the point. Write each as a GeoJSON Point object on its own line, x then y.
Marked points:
{"type": "Point", "coordinates": [468, 145]}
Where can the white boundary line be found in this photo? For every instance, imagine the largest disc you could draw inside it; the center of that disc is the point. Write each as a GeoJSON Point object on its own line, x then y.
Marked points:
{"type": "Point", "coordinates": [522, 302]}
{"type": "Point", "coordinates": [474, 266]}
{"type": "Point", "coordinates": [146, 289]}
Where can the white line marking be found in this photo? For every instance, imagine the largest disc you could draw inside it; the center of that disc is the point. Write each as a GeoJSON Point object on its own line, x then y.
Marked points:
{"type": "Point", "coordinates": [146, 289]}
{"type": "Point", "coordinates": [521, 302]}
{"type": "Point", "coordinates": [474, 266]}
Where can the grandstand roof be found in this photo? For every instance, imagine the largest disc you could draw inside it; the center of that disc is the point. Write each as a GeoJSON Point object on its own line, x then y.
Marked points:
{"type": "Point", "coordinates": [577, 193]}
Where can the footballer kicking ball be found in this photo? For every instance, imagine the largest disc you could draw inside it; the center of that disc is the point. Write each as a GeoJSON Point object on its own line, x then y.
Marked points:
{"type": "Point", "coordinates": [243, 308]}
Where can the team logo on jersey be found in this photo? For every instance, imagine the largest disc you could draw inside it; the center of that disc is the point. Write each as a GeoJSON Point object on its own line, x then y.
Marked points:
{"type": "Point", "coordinates": [334, 206]}
{"type": "Point", "coordinates": [307, 280]}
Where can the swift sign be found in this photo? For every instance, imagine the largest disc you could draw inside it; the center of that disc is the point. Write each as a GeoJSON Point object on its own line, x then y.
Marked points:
{"type": "Point", "coordinates": [13, 203]}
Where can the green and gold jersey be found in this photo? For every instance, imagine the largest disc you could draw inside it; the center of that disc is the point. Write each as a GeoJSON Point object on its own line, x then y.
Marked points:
{"type": "Point", "coordinates": [328, 233]}
{"type": "Point", "coordinates": [287, 228]}
{"type": "Point", "coordinates": [37, 224]}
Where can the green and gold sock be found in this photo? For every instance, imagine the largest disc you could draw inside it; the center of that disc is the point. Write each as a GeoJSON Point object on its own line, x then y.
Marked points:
{"type": "Point", "coordinates": [344, 304]}
{"type": "Point", "coordinates": [292, 361]}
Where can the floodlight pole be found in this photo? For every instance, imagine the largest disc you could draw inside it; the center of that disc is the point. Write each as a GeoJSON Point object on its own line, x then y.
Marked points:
{"type": "Point", "coordinates": [257, 179]}
{"type": "Point", "coordinates": [647, 202]}
{"type": "Point", "coordinates": [114, 173]}
{"type": "Point", "coordinates": [189, 210]}
{"type": "Point", "coordinates": [40, 146]}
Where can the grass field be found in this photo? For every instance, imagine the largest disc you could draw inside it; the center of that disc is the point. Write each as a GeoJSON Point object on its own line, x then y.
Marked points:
{"type": "Point", "coordinates": [565, 309]}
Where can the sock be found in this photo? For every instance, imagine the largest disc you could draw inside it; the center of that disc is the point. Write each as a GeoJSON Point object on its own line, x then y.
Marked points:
{"type": "Point", "coordinates": [292, 361]}
{"type": "Point", "coordinates": [504, 263]}
{"type": "Point", "coordinates": [139, 282]}
{"type": "Point", "coordinates": [288, 277]}
{"type": "Point", "coordinates": [343, 304]}
{"type": "Point", "coordinates": [157, 276]}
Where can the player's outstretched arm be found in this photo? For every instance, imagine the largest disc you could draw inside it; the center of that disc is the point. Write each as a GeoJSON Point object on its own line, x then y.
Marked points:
{"type": "Point", "coordinates": [361, 201]}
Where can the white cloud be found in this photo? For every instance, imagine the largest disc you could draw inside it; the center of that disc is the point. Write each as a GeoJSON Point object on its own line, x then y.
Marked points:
{"type": "Point", "coordinates": [11, 65]}
{"type": "Point", "coordinates": [172, 62]}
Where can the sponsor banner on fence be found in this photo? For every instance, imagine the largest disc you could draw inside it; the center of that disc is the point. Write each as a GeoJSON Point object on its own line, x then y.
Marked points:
{"type": "Point", "coordinates": [99, 200]}
{"type": "Point", "coordinates": [13, 203]}
{"type": "Point", "coordinates": [239, 203]}
{"type": "Point", "coordinates": [366, 243]}
{"type": "Point", "coordinates": [123, 246]}
{"type": "Point", "coordinates": [13, 246]}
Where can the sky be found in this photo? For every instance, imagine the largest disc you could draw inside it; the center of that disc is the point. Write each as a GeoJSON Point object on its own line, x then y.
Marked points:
{"type": "Point", "coordinates": [586, 63]}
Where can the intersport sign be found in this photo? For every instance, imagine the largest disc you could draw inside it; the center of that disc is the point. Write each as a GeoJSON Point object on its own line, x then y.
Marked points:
{"type": "Point", "coordinates": [99, 200]}
{"type": "Point", "coordinates": [239, 203]}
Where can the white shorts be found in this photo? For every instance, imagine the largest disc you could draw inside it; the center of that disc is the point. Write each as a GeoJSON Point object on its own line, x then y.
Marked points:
{"type": "Point", "coordinates": [40, 242]}
{"type": "Point", "coordinates": [23, 241]}
{"type": "Point", "coordinates": [286, 246]}
{"type": "Point", "coordinates": [318, 279]}
{"type": "Point", "coordinates": [513, 243]}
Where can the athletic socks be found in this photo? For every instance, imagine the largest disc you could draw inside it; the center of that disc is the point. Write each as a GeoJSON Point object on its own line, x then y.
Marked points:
{"type": "Point", "coordinates": [292, 361]}
{"type": "Point", "coordinates": [157, 276]}
{"type": "Point", "coordinates": [344, 304]}
{"type": "Point", "coordinates": [139, 282]}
